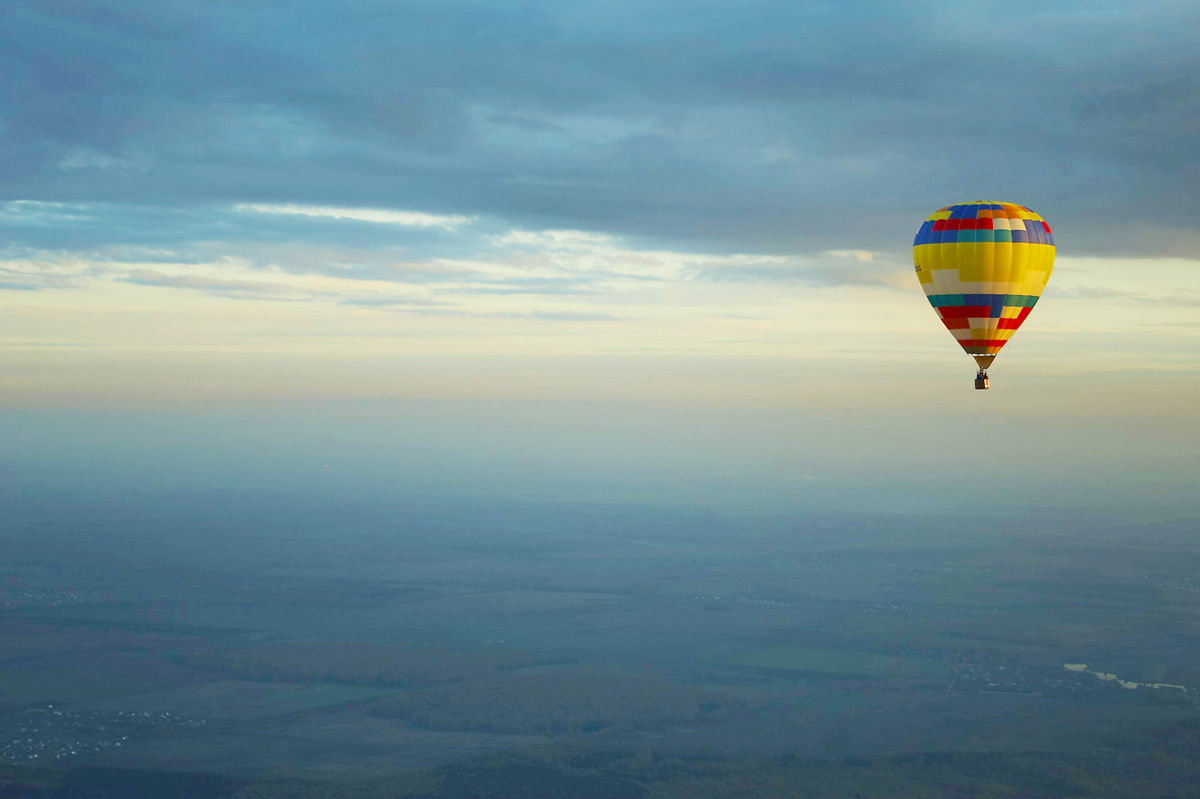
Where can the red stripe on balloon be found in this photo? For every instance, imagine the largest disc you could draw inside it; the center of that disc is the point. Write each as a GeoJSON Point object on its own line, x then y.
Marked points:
{"type": "Point", "coordinates": [965, 311]}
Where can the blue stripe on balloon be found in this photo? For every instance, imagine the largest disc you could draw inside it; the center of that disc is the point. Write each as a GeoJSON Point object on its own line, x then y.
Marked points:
{"type": "Point", "coordinates": [995, 302]}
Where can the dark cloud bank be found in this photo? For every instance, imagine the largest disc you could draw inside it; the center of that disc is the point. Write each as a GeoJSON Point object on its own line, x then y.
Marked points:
{"type": "Point", "coordinates": [765, 127]}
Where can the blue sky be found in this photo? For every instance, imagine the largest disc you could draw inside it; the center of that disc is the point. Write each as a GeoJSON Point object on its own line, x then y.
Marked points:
{"type": "Point", "coordinates": [609, 211]}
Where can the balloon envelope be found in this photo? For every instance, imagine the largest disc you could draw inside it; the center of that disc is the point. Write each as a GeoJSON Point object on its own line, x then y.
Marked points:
{"type": "Point", "coordinates": [983, 266]}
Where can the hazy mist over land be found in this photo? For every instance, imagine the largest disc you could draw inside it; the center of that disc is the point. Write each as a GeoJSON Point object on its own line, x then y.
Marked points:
{"type": "Point", "coordinates": [734, 460]}
{"type": "Point", "coordinates": [494, 399]}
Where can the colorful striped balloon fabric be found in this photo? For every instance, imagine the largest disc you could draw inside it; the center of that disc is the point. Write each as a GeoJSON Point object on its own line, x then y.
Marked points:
{"type": "Point", "coordinates": [983, 266]}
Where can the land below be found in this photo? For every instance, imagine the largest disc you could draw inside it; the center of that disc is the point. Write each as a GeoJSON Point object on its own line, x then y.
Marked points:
{"type": "Point", "coordinates": [283, 651]}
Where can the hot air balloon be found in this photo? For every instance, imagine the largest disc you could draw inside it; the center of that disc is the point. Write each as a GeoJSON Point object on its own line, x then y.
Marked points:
{"type": "Point", "coordinates": [983, 266]}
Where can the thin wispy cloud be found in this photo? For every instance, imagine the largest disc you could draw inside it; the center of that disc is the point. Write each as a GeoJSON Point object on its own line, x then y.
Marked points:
{"type": "Point", "coordinates": [390, 302]}
{"type": "Point", "coordinates": [1180, 297]}
{"type": "Point", "coordinates": [380, 216]}
{"type": "Point", "coordinates": [150, 277]}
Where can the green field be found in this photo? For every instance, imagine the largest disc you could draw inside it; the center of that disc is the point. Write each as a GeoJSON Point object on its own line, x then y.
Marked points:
{"type": "Point", "coordinates": [834, 662]}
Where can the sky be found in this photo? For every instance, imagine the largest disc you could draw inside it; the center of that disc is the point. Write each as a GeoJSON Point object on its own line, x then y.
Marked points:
{"type": "Point", "coordinates": [605, 251]}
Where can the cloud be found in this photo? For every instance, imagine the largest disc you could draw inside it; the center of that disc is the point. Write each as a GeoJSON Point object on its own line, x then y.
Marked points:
{"type": "Point", "coordinates": [516, 287]}
{"type": "Point", "coordinates": [88, 158]}
{"type": "Point", "coordinates": [412, 218]}
{"type": "Point", "coordinates": [389, 302]}
{"type": "Point", "coordinates": [150, 277]}
{"type": "Point", "coordinates": [858, 255]}
{"type": "Point", "coordinates": [484, 262]}
{"type": "Point", "coordinates": [829, 269]}
{"type": "Point", "coordinates": [25, 270]}
{"type": "Point", "coordinates": [198, 232]}
{"type": "Point", "coordinates": [554, 239]}
{"type": "Point", "coordinates": [561, 316]}
{"type": "Point", "coordinates": [1183, 297]}
{"type": "Point", "coordinates": [767, 127]}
